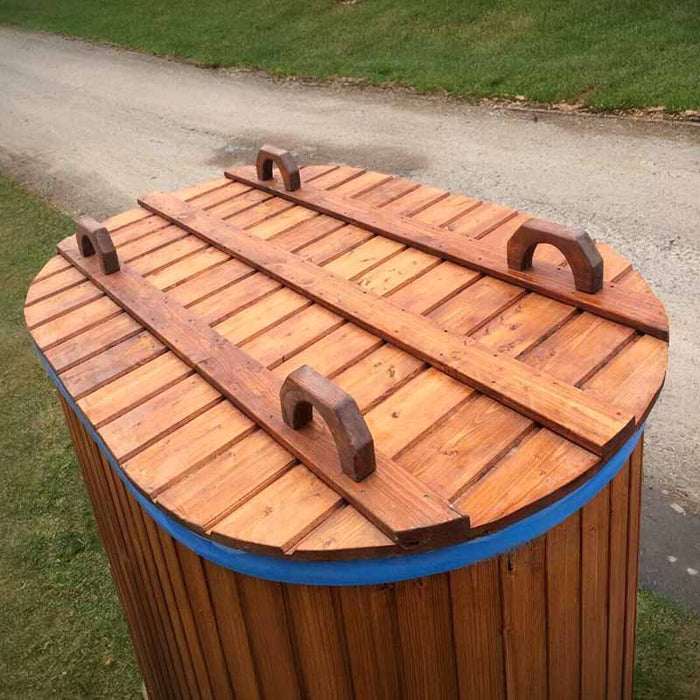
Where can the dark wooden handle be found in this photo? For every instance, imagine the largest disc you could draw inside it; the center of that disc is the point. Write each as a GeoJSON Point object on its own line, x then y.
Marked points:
{"type": "Point", "coordinates": [288, 168]}
{"type": "Point", "coordinates": [305, 389]}
{"type": "Point", "coordinates": [93, 238]}
{"type": "Point", "coordinates": [574, 243]}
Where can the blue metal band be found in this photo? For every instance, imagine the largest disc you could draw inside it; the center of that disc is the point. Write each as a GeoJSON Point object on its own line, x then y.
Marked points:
{"type": "Point", "coordinates": [358, 572]}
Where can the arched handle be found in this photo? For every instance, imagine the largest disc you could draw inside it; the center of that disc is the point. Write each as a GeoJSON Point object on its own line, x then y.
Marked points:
{"type": "Point", "coordinates": [93, 238]}
{"type": "Point", "coordinates": [305, 388]}
{"type": "Point", "coordinates": [574, 244]}
{"type": "Point", "coordinates": [289, 170]}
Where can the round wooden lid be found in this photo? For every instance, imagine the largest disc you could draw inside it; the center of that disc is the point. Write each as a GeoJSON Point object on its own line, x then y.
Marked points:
{"type": "Point", "coordinates": [453, 393]}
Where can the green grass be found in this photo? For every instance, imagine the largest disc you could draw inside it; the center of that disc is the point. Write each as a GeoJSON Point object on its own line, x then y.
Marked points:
{"type": "Point", "coordinates": [631, 53]}
{"type": "Point", "coordinates": [62, 633]}
{"type": "Point", "coordinates": [668, 650]}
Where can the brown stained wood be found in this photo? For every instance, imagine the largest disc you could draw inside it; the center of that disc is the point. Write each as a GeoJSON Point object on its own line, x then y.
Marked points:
{"type": "Point", "coordinates": [575, 245]}
{"type": "Point", "coordinates": [184, 449]}
{"type": "Point", "coordinates": [524, 477]}
{"type": "Point", "coordinates": [634, 376]}
{"type": "Point", "coordinates": [227, 608]}
{"type": "Point", "coordinates": [106, 519]}
{"type": "Point", "coordinates": [347, 531]}
{"type": "Point", "coordinates": [425, 631]}
{"type": "Point", "coordinates": [610, 302]}
{"type": "Point", "coordinates": [477, 303]}
{"type": "Point", "coordinates": [94, 239]}
{"type": "Point", "coordinates": [197, 649]}
{"type": "Point", "coordinates": [205, 620]}
{"type": "Point", "coordinates": [305, 389]}
{"type": "Point", "coordinates": [258, 344]}
{"type": "Point", "coordinates": [478, 623]}
{"type": "Point", "coordinates": [563, 555]}
{"type": "Point", "coordinates": [632, 567]}
{"type": "Point", "coordinates": [289, 171]}
{"type": "Point", "coordinates": [186, 293]}
{"type": "Point", "coordinates": [141, 384]}
{"type": "Point", "coordinates": [372, 640]}
{"type": "Point", "coordinates": [461, 634]}
{"type": "Point", "coordinates": [457, 453]}
{"type": "Point", "coordinates": [319, 642]}
{"type": "Point", "coordinates": [174, 613]}
{"type": "Point", "coordinates": [617, 580]}
{"type": "Point", "coordinates": [575, 347]}
{"type": "Point", "coordinates": [90, 342]}
{"type": "Point", "coordinates": [397, 421]}
{"type": "Point", "coordinates": [524, 620]}
{"type": "Point", "coordinates": [203, 497]}
{"type": "Point", "coordinates": [268, 627]}
{"type": "Point", "coordinates": [111, 364]}
{"type": "Point", "coordinates": [392, 499]}
{"type": "Point", "coordinates": [135, 430]}
{"type": "Point", "coordinates": [594, 594]}
{"type": "Point", "coordinates": [557, 406]}
{"type": "Point", "coordinates": [267, 520]}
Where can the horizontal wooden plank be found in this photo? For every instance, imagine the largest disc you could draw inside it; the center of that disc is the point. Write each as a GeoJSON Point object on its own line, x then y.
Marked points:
{"type": "Point", "coordinates": [644, 314]}
{"type": "Point", "coordinates": [391, 498]}
{"type": "Point", "coordinates": [562, 408]}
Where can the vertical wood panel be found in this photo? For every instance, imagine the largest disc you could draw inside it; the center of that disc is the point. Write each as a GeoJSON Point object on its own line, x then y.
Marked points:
{"type": "Point", "coordinates": [104, 520]}
{"type": "Point", "coordinates": [144, 600]}
{"type": "Point", "coordinates": [478, 624]}
{"type": "Point", "coordinates": [633, 527]}
{"type": "Point", "coordinates": [168, 643]}
{"type": "Point", "coordinates": [110, 498]}
{"type": "Point", "coordinates": [554, 617]}
{"type": "Point", "coordinates": [564, 608]}
{"type": "Point", "coordinates": [173, 611]}
{"type": "Point", "coordinates": [198, 594]}
{"type": "Point", "coordinates": [319, 642]}
{"type": "Point", "coordinates": [425, 629]}
{"type": "Point", "coordinates": [594, 595]}
{"type": "Point", "coordinates": [194, 643]}
{"type": "Point", "coordinates": [268, 631]}
{"type": "Point", "coordinates": [619, 514]}
{"type": "Point", "coordinates": [524, 623]}
{"type": "Point", "coordinates": [232, 630]}
{"type": "Point", "coordinates": [370, 627]}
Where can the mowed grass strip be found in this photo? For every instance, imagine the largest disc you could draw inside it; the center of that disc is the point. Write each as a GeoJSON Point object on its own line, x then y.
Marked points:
{"type": "Point", "coordinates": [608, 55]}
{"type": "Point", "coordinates": [62, 633]}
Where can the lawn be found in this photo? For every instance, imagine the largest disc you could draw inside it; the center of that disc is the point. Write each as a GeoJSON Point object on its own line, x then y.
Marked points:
{"type": "Point", "coordinates": [627, 54]}
{"type": "Point", "coordinates": [62, 633]}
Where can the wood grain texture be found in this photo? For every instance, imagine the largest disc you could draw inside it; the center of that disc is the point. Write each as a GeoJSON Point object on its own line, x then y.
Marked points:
{"type": "Point", "coordinates": [395, 501]}
{"type": "Point", "coordinates": [285, 330]}
{"type": "Point", "coordinates": [575, 245]}
{"type": "Point", "coordinates": [502, 628]}
{"type": "Point", "coordinates": [534, 394]}
{"type": "Point", "coordinates": [610, 302]}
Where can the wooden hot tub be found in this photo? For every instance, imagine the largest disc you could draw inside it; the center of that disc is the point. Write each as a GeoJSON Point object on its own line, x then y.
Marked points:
{"type": "Point", "coordinates": [460, 518]}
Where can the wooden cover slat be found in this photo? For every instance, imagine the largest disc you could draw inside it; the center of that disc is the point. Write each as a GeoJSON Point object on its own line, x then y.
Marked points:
{"type": "Point", "coordinates": [562, 408]}
{"type": "Point", "coordinates": [629, 308]}
{"type": "Point", "coordinates": [391, 498]}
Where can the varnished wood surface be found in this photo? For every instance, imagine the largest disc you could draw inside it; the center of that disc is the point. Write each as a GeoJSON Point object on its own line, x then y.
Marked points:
{"type": "Point", "coordinates": [198, 457]}
{"type": "Point", "coordinates": [609, 302]}
{"type": "Point", "coordinates": [562, 408]}
{"type": "Point", "coordinates": [395, 501]}
{"type": "Point", "coordinates": [554, 618]}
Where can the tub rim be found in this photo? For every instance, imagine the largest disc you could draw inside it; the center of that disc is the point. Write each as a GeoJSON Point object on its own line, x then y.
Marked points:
{"type": "Point", "coordinates": [368, 571]}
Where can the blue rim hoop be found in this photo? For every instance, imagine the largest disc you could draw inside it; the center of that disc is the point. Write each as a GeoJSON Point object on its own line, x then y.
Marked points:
{"type": "Point", "coordinates": [359, 572]}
